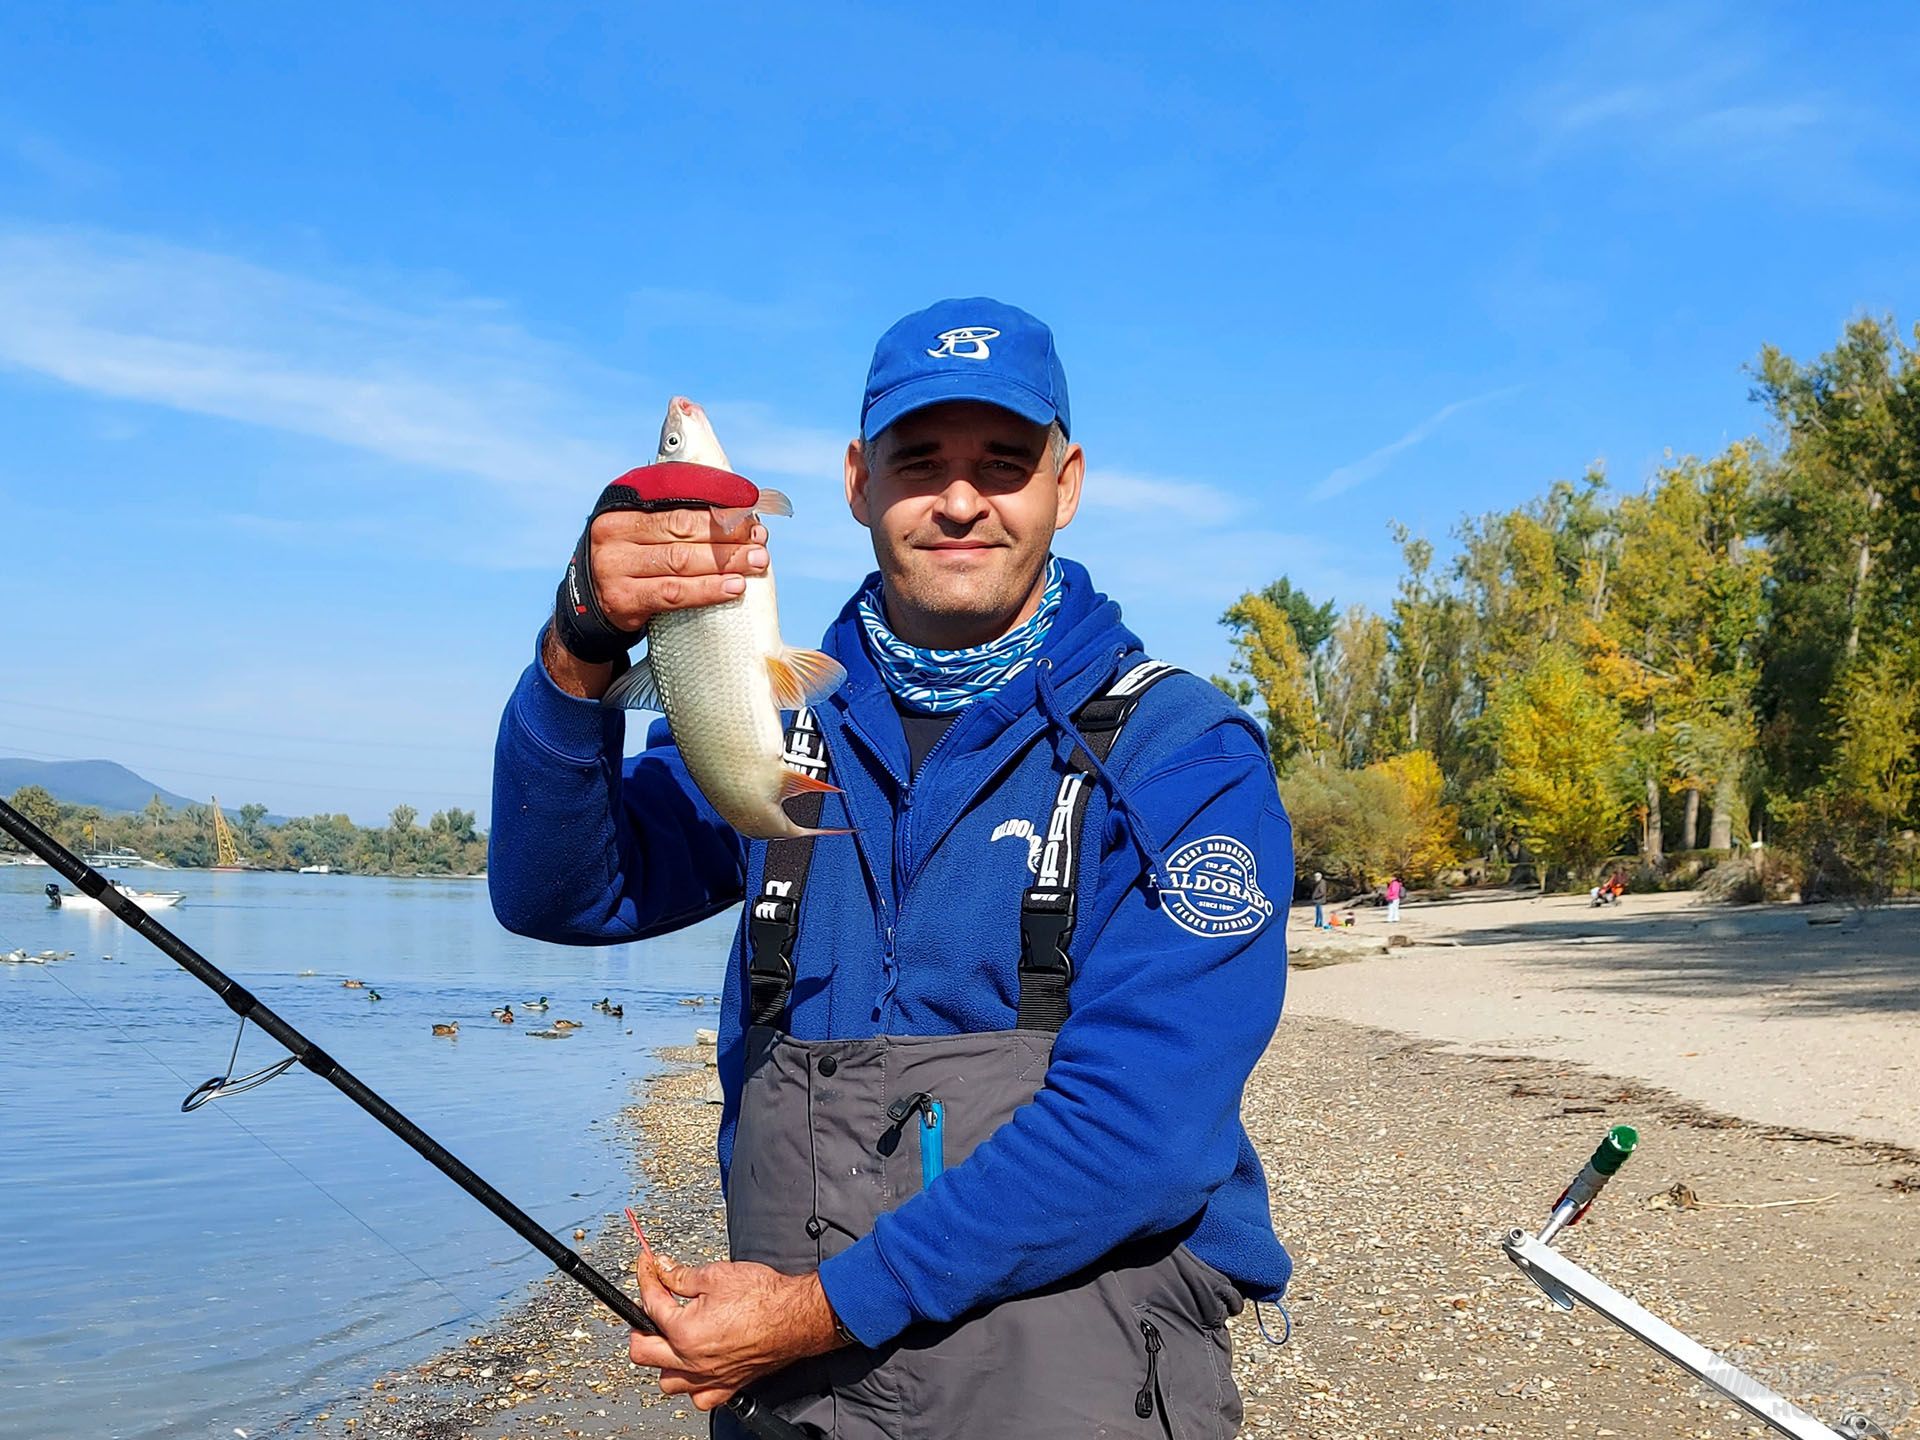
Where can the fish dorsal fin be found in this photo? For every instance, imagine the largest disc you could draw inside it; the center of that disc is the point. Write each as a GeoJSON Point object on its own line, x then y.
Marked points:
{"type": "Point", "coordinates": [803, 677]}
{"type": "Point", "coordinates": [773, 502]}
{"type": "Point", "coordinates": [635, 690]}
{"type": "Point", "coordinates": [798, 782]}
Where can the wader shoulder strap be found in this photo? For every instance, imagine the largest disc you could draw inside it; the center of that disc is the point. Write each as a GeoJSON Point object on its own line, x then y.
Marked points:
{"type": "Point", "coordinates": [1047, 908]}
{"type": "Point", "coordinates": [776, 910]}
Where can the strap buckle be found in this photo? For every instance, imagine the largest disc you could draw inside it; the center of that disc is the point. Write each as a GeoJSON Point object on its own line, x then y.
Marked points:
{"type": "Point", "coordinates": [1046, 924]}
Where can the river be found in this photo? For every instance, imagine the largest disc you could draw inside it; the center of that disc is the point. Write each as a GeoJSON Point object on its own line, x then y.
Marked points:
{"type": "Point", "coordinates": [168, 1275]}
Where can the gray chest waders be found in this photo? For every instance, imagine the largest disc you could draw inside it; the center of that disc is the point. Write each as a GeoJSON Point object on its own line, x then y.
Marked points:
{"type": "Point", "coordinates": [834, 1133]}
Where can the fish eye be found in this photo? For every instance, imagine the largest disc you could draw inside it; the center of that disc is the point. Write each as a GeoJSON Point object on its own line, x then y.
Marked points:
{"type": "Point", "coordinates": [673, 440]}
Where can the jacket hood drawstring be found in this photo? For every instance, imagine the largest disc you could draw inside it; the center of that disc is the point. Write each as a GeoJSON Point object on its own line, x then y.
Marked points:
{"type": "Point", "coordinates": [1153, 865]}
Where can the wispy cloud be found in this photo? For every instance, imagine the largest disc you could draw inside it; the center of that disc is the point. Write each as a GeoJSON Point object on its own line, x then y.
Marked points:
{"type": "Point", "coordinates": [1370, 466]}
{"type": "Point", "coordinates": [1699, 86]}
{"type": "Point", "coordinates": [1193, 501]}
{"type": "Point", "coordinates": [49, 160]}
{"type": "Point", "coordinates": [453, 387]}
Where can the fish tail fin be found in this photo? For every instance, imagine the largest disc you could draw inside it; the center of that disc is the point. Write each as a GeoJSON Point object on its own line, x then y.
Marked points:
{"type": "Point", "coordinates": [773, 502]}
{"type": "Point", "coordinates": [803, 677]}
{"type": "Point", "coordinates": [796, 782]}
{"type": "Point", "coordinates": [804, 833]}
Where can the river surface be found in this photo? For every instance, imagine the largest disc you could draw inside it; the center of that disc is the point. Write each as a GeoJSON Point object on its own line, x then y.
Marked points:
{"type": "Point", "coordinates": [169, 1275]}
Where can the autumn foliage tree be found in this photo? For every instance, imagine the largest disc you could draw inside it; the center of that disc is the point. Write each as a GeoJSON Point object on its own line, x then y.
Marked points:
{"type": "Point", "coordinates": [1562, 757]}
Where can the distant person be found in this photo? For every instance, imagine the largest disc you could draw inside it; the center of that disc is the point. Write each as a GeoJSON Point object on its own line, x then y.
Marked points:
{"type": "Point", "coordinates": [1394, 891]}
{"type": "Point", "coordinates": [1319, 901]}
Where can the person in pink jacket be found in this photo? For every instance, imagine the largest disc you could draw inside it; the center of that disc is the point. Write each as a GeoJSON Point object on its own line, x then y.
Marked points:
{"type": "Point", "coordinates": [1394, 891]}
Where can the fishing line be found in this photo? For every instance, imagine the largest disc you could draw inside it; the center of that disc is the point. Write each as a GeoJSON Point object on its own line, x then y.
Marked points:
{"type": "Point", "coordinates": [466, 1308]}
{"type": "Point", "coordinates": [744, 1407]}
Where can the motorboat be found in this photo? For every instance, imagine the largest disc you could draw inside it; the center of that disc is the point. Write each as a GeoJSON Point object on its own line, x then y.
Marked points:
{"type": "Point", "coordinates": [59, 899]}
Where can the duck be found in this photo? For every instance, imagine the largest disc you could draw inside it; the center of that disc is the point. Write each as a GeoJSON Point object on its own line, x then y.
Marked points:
{"type": "Point", "coordinates": [353, 984]}
{"type": "Point", "coordinates": [545, 1034]}
{"type": "Point", "coordinates": [500, 1012]}
{"type": "Point", "coordinates": [452, 1027]}
{"type": "Point", "coordinates": [566, 1024]}
{"type": "Point", "coordinates": [373, 994]}
{"type": "Point", "coordinates": [695, 1001]}
{"type": "Point", "coordinates": [540, 1004]}
{"type": "Point", "coordinates": [616, 1011]}
{"type": "Point", "coordinates": [602, 1004]}
{"type": "Point", "coordinates": [505, 1016]}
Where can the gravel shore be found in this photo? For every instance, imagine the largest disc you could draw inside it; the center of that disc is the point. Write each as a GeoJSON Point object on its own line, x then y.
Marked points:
{"type": "Point", "coordinates": [1397, 1163]}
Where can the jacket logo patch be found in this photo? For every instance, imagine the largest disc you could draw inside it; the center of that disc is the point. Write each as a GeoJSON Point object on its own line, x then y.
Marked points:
{"type": "Point", "coordinates": [1020, 830]}
{"type": "Point", "coordinates": [1215, 890]}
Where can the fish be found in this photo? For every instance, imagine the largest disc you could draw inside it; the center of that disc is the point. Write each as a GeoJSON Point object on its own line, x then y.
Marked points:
{"type": "Point", "coordinates": [721, 674]}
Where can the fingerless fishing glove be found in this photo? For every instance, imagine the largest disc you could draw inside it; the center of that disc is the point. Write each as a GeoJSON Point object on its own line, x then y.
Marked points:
{"type": "Point", "coordinates": [578, 621]}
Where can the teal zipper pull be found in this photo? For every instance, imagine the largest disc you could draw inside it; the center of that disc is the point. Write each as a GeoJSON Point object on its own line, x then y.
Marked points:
{"type": "Point", "coordinates": [933, 1138]}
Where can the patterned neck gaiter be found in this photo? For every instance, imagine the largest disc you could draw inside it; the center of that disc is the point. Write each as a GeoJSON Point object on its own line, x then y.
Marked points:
{"type": "Point", "coordinates": [937, 681]}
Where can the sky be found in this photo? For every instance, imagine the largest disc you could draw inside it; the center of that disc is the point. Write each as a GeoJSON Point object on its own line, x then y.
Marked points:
{"type": "Point", "coordinates": [322, 327]}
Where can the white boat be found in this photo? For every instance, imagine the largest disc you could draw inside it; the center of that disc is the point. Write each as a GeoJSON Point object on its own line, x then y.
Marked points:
{"type": "Point", "coordinates": [316, 870]}
{"type": "Point", "coordinates": [121, 857]}
{"type": "Point", "coordinates": [146, 899]}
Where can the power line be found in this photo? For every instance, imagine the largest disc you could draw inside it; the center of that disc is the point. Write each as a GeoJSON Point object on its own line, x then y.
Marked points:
{"type": "Point", "coordinates": [146, 744]}
{"type": "Point", "coordinates": [466, 795]}
{"type": "Point", "coordinates": [92, 714]}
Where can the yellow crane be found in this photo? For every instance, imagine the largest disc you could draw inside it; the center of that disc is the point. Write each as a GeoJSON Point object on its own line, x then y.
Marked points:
{"type": "Point", "coordinates": [227, 854]}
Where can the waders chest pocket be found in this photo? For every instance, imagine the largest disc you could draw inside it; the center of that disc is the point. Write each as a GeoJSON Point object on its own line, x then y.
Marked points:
{"type": "Point", "coordinates": [933, 1128]}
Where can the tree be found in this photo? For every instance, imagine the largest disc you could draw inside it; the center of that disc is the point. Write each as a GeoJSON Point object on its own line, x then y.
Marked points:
{"type": "Point", "coordinates": [34, 802]}
{"type": "Point", "coordinates": [1424, 832]}
{"type": "Point", "coordinates": [250, 818]}
{"type": "Point", "coordinates": [1352, 670]}
{"type": "Point", "coordinates": [1270, 655]}
{"type": "Point", "coordinates": [1878, 756]}
{"type": "Point", "coordinates": [400, 834]}
{"type": "Point", "coordinates": [1829, 527]}
{"type": "Point", "coordinates": [156, 813]}
{"type": "Point", "coordinates": [1561, 761]}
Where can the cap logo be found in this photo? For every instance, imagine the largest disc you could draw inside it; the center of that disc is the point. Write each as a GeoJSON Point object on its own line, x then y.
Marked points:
{"type": "Point", "coordinates": [969, 342]}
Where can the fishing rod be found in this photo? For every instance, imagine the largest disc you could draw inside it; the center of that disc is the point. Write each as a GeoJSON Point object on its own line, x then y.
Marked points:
{"type": "Point", "coordinates": [743, 1407]}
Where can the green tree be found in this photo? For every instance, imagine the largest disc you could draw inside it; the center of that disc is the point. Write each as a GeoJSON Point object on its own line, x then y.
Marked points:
{"type": "Point", "coordinates": [1830, 528]}
{"type": "Point", "coordinates": [34, 802]}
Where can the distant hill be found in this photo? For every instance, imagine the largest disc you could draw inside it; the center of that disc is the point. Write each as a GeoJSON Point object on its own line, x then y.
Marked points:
{"type": "Point", "coordinates": [104, 783]}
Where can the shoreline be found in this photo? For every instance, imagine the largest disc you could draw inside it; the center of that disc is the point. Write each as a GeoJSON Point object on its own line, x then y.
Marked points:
{"type": "Point", "coordinates": [1396, 1162]}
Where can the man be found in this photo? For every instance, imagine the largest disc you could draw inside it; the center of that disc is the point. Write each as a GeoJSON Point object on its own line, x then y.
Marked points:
{"type": "Point", "coordinates": [982, 1056]}
{"type": "Point", "coordinates": [1319, 901]}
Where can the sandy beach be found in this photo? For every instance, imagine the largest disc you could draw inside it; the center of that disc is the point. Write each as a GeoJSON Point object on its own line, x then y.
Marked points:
{"type": "Point", "coordinates": [1416, 1104]}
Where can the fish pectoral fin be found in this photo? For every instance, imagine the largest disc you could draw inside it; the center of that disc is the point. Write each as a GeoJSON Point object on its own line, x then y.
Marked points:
{"type": "Point", "coordinates": [634, 690]}
{"type": "Point", "coordinates": [773, 502]}
{"type": "Point", "coordinates": [797, 782]}
{"type": "Point", "coordinates": [803, 677]}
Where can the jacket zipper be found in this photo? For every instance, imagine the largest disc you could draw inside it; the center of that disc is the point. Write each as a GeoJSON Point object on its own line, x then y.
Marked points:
{"type": "Point", "coordinates": [1143, 1402]}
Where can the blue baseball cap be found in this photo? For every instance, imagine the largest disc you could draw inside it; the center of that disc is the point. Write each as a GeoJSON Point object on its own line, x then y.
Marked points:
{"type": "Point", "coordinates": [975, 349]}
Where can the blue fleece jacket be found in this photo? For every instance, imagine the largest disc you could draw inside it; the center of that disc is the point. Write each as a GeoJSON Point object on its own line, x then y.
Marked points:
{"type": "Point", "coordinates": [910, 926]}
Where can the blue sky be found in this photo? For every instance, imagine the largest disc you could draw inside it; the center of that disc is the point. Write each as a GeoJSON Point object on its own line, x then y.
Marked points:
{"type": "Point", "coordinates": [320, 327]}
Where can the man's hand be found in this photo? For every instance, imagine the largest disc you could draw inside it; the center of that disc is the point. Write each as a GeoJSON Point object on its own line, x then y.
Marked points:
{"type": "Point", "coordinates": [645, 562]}
{"type": "Point", "coordinates": [667, 536]}
{"type": "Point", "coordinates": [740, 1321]}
